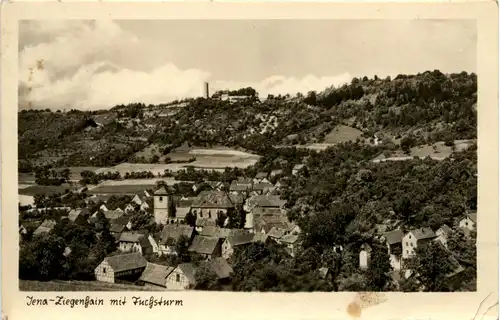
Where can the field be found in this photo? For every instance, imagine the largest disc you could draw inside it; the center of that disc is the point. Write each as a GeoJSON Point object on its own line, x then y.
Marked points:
{"type": "Point", "coordinates": [25, 200]}
{"type": "Point", "coordinates": [130, 186]}
{"type": "Point", "coordinates": [58, 285]}
{"type": "Point", "coordinates": [75, 172]}
{"type": "Point", "coordinates": [216, 159]}
{"type": "Point", "coordinates": [342, 133]}
{"type": "Point", "coordinates": [46, 190]}
{"type": "Point", "coordinates": [437, 151]}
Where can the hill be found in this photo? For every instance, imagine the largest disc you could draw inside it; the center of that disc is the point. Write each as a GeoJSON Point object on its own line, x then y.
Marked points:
{"type": "Point", "coordinates": [404, 112]}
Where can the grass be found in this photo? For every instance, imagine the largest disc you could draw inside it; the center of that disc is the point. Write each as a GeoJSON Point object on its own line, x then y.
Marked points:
{"type": "Point", "coordinates": [59, 285]}
{"type": "Point", "coordinates": [121, 189]}
{"type": "Point", "coordinates": [342, 133]}
{"type": "Point", "coordinates": [75, 171]}
{"type": "Point", "coordinates": [46, 190]}
{"type": "Point", "coordinates": [437, 151]}
{"type": "Point", "coordinates": [215, 158]}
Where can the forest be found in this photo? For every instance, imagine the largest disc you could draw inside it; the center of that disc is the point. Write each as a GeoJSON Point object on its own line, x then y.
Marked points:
{"type": "Point", "coordinates": [423, 108]}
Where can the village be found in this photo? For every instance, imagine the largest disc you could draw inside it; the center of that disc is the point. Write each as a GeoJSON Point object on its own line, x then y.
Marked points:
{"type": "Point", "coordinates": [220, 220]}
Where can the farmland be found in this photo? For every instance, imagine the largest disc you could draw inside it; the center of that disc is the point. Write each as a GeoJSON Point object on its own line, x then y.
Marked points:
{"type": "Point", "coordinates": [342, 133]}
{"type": "Point", "coordinates": [437, 151]}
{"type": "Point", "coordinates": [216, 159]}
{"type": "Point", "coordinates": [46, 190]}
{"type": "Point", "coordinates": [130, 186]}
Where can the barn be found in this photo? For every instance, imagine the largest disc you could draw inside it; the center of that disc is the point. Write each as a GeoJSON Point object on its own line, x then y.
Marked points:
{"type": "Point", "coordinates": [155, 276]}
{"type": "Point", "coordinates": [122, 268]}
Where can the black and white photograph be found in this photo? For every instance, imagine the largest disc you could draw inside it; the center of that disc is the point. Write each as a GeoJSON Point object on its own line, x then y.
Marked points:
{"type": "Point", "coordinates": [248, 155]}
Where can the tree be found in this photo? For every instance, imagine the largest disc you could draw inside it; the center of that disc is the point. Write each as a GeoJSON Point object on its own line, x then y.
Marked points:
{"type": "Point", "coordinates": [206, 278]}
{"type": "Point", "coordinates": [181, 247]}
{"type": "Point", "coordinates": [431, 266]}
{"type": "Point", "coordinates": [42, 258]}
{"type": "Point", "coordinates": [311, 98]}
{"type": "Point", "coordinates": [190, 219]}
{"type": "Point", "coordinates": [378, 272]}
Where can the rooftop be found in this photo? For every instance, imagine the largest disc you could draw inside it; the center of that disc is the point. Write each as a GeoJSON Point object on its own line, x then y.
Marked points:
{"type": "Point", "coordinates": [127, 261]}
{"type": "Point", "coordinates": [156, 274]}
{"type": "Point", "coordinates": [130, 236]}
{"type": "Point", "coordinates": [175, 231]}
{"type": "Point", "coordinates": [394, 236]}
{"type": "Point", "coordinates": [204, 245]}
{"type": "Point", "coordinates": [423, 233]}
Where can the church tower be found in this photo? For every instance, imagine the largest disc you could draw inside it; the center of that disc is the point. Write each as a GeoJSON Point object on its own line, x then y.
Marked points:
{"type": "Point", "coordinates": [162, 205]}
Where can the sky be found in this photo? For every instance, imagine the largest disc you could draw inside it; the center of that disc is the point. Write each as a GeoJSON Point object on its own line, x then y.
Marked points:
{"type": "Point", "coordinates": [97, 64]}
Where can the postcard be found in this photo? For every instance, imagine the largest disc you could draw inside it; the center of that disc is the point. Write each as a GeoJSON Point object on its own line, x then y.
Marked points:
{"type": "Point", "coordinates": [250, 160]}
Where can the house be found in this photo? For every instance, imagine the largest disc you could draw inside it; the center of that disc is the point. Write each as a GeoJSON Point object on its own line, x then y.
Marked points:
{"type": "Point", "coordinates": [293, 229]}
{"type": "Point", "coordinates": [264, 201]}
{"type": "Point", "coordinates": [183, 277]}
{"type": "Point", "coordinates": [116, 229]}
{"type": "Point", "coordinates": [393, 240]}
{"type": "Point", "coordinates": [211, 204]}
{"type": "Point", "coordinates": [129, 242]}
{"type": "Point", "coordinates": [469, 222]}
{"type": "Point", "coordinates": [221, 268]}
{"type": "Point", "coordinates": [264, 223]}
{"type": "Point", "coordinates": [45, 227]}
{"type": "Point", "coordinates": [297, 168]}
{"type": "Point", "coordinates": [290, 242]}
{"type": "Point", "coordinates": [260, 237]}
{"type": "Point", "coordinates": [204, 222]}
{"type": "Point", "coordinates": [323, 272]}
{"type": "Point", "coordinates": [276, 234]}
{"type": "Point", "coordinates": [129, 208]}
{"type": "Point", "coordinates": [174, 232]}
{"type": "Point", "coordinates": [364, 256]}
{"type": "Point", "coordinates": [261, 175]}
{"type": "Point", "coordinates": [121, 224]}
{"type": "Point", "coordinates": [67, 251]}
{"type": "Point", "coordinates": [74, 214]}
{"type": "Point", "coordinates": [442, 234]}
{"type": "Point", "coordinates": [275, 173]}
{"type": "Point", "coordinates": [239, 187]}
{"type": "Point", "coordinates": [216, 185]}
{"type": "Point", "coordinates": [415, 238]}
{"type": "Point", "coordinates": [262, 188]}
{"type": "Point", "coordinates": [155, 276]}
{"type": "Point", "coordinates": [208, 247]}
{"type": "Point", "coordinates": [121, 268]}
{"type": "Point", "coordinates": [234, 241]}
{"type": "Point", "coordinates": [182, 208]}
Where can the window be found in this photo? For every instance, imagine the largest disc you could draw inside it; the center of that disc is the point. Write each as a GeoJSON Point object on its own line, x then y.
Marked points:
{"type": "Point", "coordinates": [407, 244]}
{"type": "Point", "coordinates": [411, 244]}
{"type": "Point", "coordinates": [161, 199]}
{"type": "Point", "coordinates": [103, 270]}
{"type": "Point", "coordinates": [407, 252]}
{"type": "Point", "coordinates": [409, 237]}
{"type": "Point", "coordinates": [209, 214]}
{"type": "Point", "coordinates": [178, 278]}
{"type": "Point", "coordinates": [201, 214]}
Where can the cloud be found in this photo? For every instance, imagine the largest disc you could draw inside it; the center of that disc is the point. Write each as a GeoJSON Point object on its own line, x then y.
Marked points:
{"type": "Point", "coordinates": [287, 85]}
{"type": "Point", "coordinates": [89, 65]}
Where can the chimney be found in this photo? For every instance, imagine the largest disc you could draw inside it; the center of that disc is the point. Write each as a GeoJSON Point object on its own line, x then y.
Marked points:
{"type": "Point", "coordinates": [207, 93]}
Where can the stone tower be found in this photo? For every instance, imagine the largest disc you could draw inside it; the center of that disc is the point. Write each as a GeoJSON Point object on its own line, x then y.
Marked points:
{"type": "Point", "coordinates": [162, 205]}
